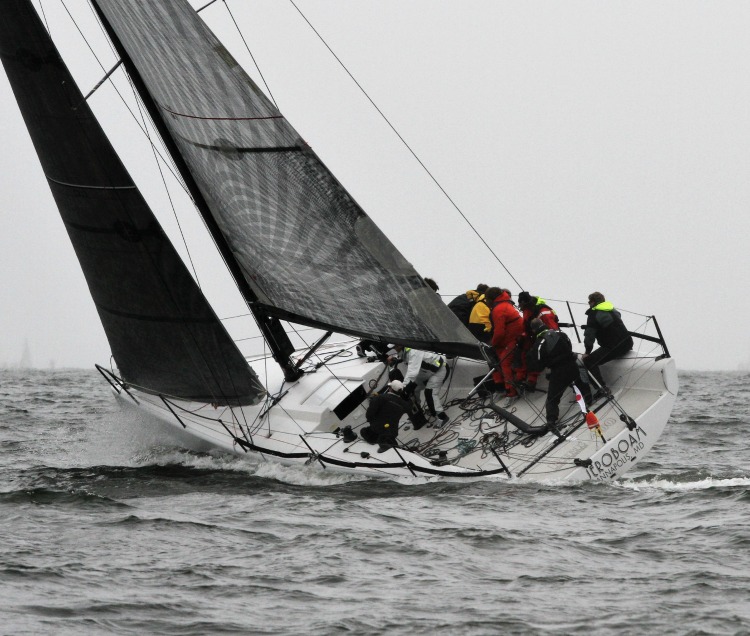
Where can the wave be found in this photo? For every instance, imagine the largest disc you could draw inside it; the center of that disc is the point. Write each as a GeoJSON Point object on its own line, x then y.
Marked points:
{"type": "Point", "coordinates": [49, 496]}
{"type": "Point", "coordinates": [217, 461]}
{"type": "Point", "coordinates": [670, 485]}
{"type": "Point", "coordinates": [307, 476]}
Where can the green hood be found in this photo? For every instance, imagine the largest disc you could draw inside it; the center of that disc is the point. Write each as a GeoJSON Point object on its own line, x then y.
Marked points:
{"type": "Point", "coordinates": [605, 306]}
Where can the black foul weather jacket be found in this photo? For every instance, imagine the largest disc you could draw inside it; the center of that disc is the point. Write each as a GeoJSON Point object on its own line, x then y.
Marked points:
{"type": "Point", "coordinates": [386, 408]}
{"type": "Point", "coordinates": [605, 326]}
{"type": "Point", "coordinates": [551, 349]}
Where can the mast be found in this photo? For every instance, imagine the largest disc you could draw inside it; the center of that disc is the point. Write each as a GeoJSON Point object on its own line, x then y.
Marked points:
{"type": "Point", "coordinates": [270, 326]}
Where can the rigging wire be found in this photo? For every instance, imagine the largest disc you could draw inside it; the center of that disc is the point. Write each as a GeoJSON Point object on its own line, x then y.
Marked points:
{"type": "Point", "coordinates": [585, 304]}
{"type": "Point", "coordinates": [114, 86]}
{"type": "Point", "coordinates": [205, 6]}
{"type": "Point", "coordinates": [167, 156]}
{"type": "Point", "coordinates": [163, 180]}
{"type": "Point", "coordinates": [244, 41]}
{"type": "Point", "coordinates": [404, 142]}
{"type": "Point", "coordinates": [323, 362]}
{"type": "Point", "coordinates": [156, 151]}
{"type": "Point", "coordinates": [44, 17]}
{"type": "Point", "coordinates": [252, 57]}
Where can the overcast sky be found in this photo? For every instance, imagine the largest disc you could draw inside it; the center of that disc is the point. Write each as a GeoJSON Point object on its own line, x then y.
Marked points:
{"type": "Point", "coordinates": [595, 145]}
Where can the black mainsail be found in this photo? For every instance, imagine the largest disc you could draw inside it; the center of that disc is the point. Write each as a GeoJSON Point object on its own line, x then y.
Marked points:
{"type": "Point", "coordinates": [163, 333]}
{"type": "Point", "coordinates": [303, 246]}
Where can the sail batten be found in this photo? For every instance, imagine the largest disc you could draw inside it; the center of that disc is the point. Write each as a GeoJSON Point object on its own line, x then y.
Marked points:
{"type": "Point", "coordinates": [305, 248]}
{"type": "Point", "coordinates": [164, 336]}
{"type": "Point", "coordinates": [87, 186]}
{"type": "Point", "coordinates": [218, 118]}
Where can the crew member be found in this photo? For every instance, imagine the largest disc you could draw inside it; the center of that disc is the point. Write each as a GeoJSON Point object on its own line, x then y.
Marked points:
{"type": "Point", "coordinates": [605, 326]}
{"type": "Point", "coordinates": [507, 326]}
{"type": "Point", "coordinates": [480, 323]}
{"type": "Point", "coordinates": [552, 350]}
{"type": "Point", "coordinates": [427, 370]}
{"type": "Point", "coordinates": [532, 307]}
{"type": "Point", "coordinates": [463, 305]}
{"type": "Point", "coordinates": [383, 415]}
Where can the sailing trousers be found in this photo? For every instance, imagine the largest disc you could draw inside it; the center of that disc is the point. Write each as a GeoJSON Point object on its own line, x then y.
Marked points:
{"type": "Point", "coordinates": [431, 381]}
{"type": "Point", "coordinates": [600, 356]}
{"type": "Point", "coordinates": [503, 373]}
{"type": "Point", "coordinates": [522, 372]}
{"type": "Point", "coordinates": [384, 437]}
{"type": "Point", "coordinates": [560, 378]}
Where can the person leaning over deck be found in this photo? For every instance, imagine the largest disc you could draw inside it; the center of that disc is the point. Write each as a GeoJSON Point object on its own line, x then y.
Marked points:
{"type": "Point", "coordinates": [423, 369]}
{"type": "Point", "coordinates": [532, 307]}
{"type": "Point", "coordinates": [383, 415]}
{"type": "Point", "coordinates": [552, 350]}
{"type": "Point", "coordinates": [605, 326]}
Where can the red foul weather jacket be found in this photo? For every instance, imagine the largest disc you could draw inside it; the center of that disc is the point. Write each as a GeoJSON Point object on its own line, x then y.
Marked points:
{"type": "Point", "coordinates": [507, 323]}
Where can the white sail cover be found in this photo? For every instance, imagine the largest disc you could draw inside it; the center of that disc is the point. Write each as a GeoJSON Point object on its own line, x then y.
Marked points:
{"type": "Point", "coordinates": [305, 247]}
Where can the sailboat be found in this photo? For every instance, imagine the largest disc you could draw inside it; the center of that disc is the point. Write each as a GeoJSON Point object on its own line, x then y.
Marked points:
{"type": "Point", "coordinates": [296, 244]}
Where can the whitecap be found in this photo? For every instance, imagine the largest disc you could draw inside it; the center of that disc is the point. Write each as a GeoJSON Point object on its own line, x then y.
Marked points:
{"type": "Point", "coordinates": [676, 486]}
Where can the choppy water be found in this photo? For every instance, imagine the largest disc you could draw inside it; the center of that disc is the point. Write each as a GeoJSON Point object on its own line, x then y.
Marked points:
{"type": "Point", "coordinates": [105, 529]}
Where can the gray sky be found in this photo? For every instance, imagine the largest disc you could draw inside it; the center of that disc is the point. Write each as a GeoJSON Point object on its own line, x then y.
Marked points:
{"type": "Point", "coordinates": [596, 146]}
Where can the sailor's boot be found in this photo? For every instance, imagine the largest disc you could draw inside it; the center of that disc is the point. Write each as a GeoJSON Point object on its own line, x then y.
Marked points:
{"type": "Point", "coordinates": [552, 428]}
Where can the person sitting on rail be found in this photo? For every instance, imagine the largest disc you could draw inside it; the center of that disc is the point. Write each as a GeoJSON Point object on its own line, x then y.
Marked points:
{"type": "Point", "coordinates": [605, 326]}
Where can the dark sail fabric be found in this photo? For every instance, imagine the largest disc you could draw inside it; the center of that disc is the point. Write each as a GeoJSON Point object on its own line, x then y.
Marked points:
{"type": "Point", "coordinates": [163, 333]}
{"type": "Point", "coordinates": [305, 247]}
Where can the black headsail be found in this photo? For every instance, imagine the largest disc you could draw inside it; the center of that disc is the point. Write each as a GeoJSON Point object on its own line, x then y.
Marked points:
{"type": "Point", "coordinates": [163, 333]}
{"type": "Point", "coordinates": [305, 249]}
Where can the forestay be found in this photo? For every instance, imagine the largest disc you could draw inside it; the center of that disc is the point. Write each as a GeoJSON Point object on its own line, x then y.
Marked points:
{"type": "Point", "coordinates": [306, 248]}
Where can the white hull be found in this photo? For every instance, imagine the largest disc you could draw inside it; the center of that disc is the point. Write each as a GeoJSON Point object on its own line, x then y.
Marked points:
{"type": "Point", "coordinates": [303, 427]}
